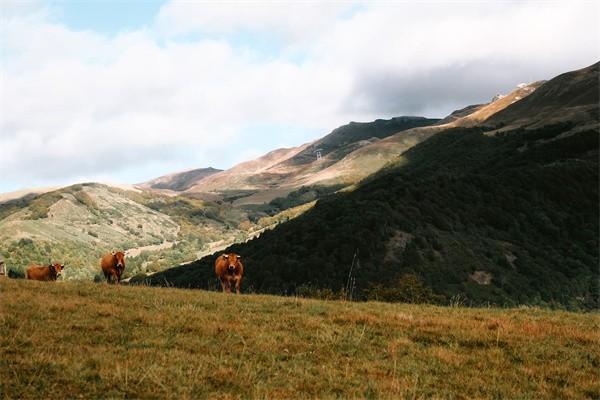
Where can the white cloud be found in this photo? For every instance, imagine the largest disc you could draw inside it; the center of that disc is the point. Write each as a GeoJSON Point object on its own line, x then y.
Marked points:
{"type": "Point", "coordinates": [183, 92]}
{"type": "Point", "coordinates": [293, 20]}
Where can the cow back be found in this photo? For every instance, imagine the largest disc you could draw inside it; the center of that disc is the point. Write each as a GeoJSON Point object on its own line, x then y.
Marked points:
{"type": "Point", "coordinates": [39, 273]}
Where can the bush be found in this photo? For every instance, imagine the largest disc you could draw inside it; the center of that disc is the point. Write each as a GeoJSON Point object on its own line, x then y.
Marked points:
{"type": "Point", "coordinates": [408, 289]}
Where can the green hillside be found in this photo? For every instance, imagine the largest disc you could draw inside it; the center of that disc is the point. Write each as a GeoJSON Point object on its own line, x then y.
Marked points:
{"type": "Point", "coordinates": [71, 340]}
{"type": "Point", "coordinates": [77, 224]}
{"type": "Point", "coordinates": [507, 219]}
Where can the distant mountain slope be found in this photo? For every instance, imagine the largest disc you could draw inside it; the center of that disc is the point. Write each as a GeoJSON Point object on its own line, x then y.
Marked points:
{"type": "Point", "coordinates": [277, 173]}
{"type": "Point", "coordinates": [347, 138]}
{"type": "Point", "coordinates": [348, 154]}
{"type": "Point", "coordinates": [572, 96]}
{"type": "Point", "coordinates": [497, 104]}
{"type": "Point", "coordinates": [246, 175]}
{"type": "Point", "coordinates": [463, 112]}
{"type": "Point", "coordinates": [370, 158]}
{"type": "Point", "coordinates": [4, 197]}
{"type": "Point", "coordinates": [179, 181]}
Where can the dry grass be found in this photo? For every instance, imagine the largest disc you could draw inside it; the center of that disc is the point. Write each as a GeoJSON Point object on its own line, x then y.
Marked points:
{"type": "Point", "coordinates": [68, 340]}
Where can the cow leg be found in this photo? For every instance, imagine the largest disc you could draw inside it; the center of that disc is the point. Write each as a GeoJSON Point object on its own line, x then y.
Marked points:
{"type": "Point", "coordinates": [106, 276]}
{"type": "Point", "coordinates": [115, 279]}
{"type": "Point", "coordinates": [222, 284]}
{"type": "Point", "coordinates": [238, 282]}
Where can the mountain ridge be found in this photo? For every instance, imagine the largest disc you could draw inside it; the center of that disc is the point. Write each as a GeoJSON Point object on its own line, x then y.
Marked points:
{"type": "Point", "coordinates": [179, 181]}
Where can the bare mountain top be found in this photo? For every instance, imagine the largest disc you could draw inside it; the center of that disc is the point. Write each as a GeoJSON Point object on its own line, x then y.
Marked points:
{"type": "Point", "coordinates": [497, 104]}
{"type": "Point", "coordinates": [246, 175]}
{"type": "Point", "coordinates": [570, 96]}
{"type": "Point", "coordinates": [4, 197]}
{"type": "Point", "coordinates": [281, 171]}
{"type": "Point", "coordinates": [463, 112]}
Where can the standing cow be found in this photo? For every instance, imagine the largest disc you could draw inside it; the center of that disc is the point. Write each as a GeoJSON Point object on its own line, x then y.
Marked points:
{"type": "Point", "coordinates": [50, 272]}
{"type": "Point", "coordinates": [229, 270]}
{"type": "Point", "coordinates": [113, 265]}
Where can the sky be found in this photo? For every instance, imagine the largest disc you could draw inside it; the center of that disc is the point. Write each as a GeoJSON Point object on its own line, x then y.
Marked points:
{"type": "Point", "coordinates": [125, 91]}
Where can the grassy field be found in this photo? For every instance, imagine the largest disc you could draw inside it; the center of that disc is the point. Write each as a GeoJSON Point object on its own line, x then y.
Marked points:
{"type": "Point", "coordinates": [69, 340]}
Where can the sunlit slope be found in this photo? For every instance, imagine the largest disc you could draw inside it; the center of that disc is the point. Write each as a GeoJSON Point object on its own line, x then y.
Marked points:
{"type": "Point", "coordinates": [281, 171]}
{"type": "Point", "coordinates": [75, 225]}
{"type": "Point", "coordinates": [98, 341]}
{"type": "Point", "coordinates": [179, 181]}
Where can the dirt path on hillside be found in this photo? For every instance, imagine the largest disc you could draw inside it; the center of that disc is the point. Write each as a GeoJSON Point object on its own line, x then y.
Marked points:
{"type": "Point", "coordinates": [136, 251]}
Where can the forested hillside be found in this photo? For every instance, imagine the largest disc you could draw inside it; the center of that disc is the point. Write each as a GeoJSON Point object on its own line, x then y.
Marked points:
{"type": "Point", "coordinates": [504, 219]}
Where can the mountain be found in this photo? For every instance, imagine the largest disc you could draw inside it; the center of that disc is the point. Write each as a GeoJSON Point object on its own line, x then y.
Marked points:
{"type": "Point", "coordinates": [463, 112]}
{"type": "Point", "coordinates": [497, 104]}
{"type": "Point", "coordinates": [4, 197]}
{"type": "Point", "coordinates": [370, 158]}
{"type": "Point", "coordinates": [282, 171]}
{"type": "Point", "coordinates": [179, 181]}
{"type": "Point", "coordinates": [572, 96]}
{"type": "Point", "coordinates": [248, 175]}
{"type": "Point", "coordinates": [494, 217]}
{"type": "Point", "coordinates": [347, 155]}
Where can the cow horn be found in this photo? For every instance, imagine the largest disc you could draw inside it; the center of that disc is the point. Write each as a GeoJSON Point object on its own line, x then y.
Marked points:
{"type": "Point", "coordinates": [225, 256]}
{"type": "Point", "coordinates": [238, 257]}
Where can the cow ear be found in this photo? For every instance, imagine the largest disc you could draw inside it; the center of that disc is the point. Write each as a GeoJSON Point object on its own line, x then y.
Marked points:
{"type": "Point", "coordinates": [239, 257]}
{"type": "Point", "coordinates": [63, 266]}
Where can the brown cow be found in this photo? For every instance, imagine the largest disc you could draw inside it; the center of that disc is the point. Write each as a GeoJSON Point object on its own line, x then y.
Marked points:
{"type": "Point", "coordinates": [49, 272]}
{"type": "Point", "coordinates": [229, 270]}
{"type": "Point", "coordinates": [113, 265]}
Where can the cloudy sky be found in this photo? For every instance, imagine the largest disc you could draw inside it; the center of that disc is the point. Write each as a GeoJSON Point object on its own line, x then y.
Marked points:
{"type": "Point", "coordinates": [119, 91]}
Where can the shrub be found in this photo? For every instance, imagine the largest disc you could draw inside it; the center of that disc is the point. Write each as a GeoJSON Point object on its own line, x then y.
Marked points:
{"type": "Point", "coordinates": [408, 289]}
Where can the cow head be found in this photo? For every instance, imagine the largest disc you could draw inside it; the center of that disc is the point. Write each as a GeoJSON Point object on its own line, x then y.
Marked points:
{"type": "Point", "coordinates": [119, 258]}
{"type": "Point", "coordinates": [56, 269]}
{"type": "Point", "coordinates": [233, 261]}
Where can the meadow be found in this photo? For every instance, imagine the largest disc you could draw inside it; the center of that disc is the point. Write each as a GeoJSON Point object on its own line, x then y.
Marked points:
{"type": "Point", "coordinates": [79, 339]}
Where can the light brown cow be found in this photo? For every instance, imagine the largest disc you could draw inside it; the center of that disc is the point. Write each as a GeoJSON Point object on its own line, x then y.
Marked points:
{"type": "Point", "coordinates": [113, 265]}
{"type": "Point", "coordinates": [49, 272]}
{"type": "Point", "coordinates": [229, 270]}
